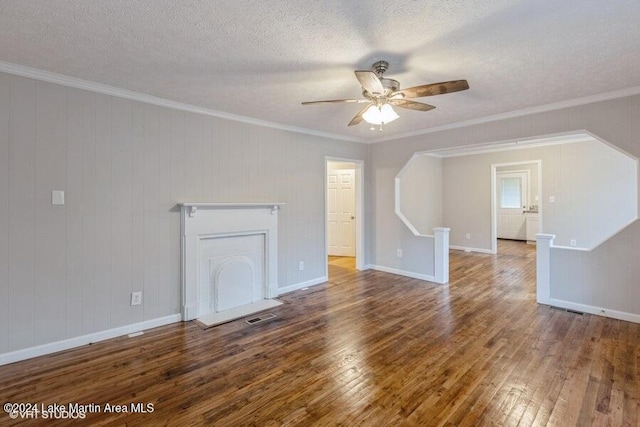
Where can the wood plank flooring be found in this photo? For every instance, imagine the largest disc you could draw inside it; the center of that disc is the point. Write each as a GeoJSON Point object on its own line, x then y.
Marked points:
{"type": "Point", "coordinates": [366, 348]}
{"type": "Point", "coordinates": [346, 262]}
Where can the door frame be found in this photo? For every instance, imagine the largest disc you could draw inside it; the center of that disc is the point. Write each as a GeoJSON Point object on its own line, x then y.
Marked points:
{"type": "Point", "coordinates": [359, 210]}
{"type": "Point", "coordinates": [494, 201]}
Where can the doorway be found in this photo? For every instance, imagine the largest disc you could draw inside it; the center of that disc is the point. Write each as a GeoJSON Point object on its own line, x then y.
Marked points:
{"type": "Point", "coordinates": [515, 192]}
{"type": "Point", "coordinates": [512, 200]}
{"type": "Point", "coordinates": [343, 208]}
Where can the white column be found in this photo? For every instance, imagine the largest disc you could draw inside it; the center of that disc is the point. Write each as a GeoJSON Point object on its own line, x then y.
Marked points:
{"type": "Point", "coordinates": [544, 242]}
{"type": "Point", "coordinates": [441, 254]}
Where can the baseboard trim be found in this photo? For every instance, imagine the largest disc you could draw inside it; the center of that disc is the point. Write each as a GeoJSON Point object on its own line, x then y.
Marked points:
{"type": "Point", "coordinates": [599, 311]}
{"type": "Point", "coordinates": [405, 273]}
{"type": "Point", "coordinates": [469, 249]}
{"type": "Point", "coordinates": [54, 347]}
{"type": "Point", "coordinates": [296, 286]}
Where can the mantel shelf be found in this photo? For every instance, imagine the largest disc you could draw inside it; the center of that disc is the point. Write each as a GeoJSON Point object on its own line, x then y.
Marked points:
{"type": "Point", "coordinates": [233, 205]}
{"type": "Point", "coordinates": [192, 207]}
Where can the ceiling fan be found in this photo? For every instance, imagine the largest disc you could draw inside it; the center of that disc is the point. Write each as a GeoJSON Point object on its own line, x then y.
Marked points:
{"type": "Point", "coordinates": [382, 94]}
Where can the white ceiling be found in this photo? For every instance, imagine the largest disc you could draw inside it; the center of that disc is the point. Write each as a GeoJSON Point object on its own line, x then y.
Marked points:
{"type": "Point", "coordinates": [261, 59]}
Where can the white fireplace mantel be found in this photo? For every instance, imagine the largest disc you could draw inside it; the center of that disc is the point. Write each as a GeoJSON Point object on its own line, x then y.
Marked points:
{"type": "Point", "coordinates": [201, 221]}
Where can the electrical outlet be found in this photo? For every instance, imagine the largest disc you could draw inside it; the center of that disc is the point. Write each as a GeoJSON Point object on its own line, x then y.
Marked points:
{"type": "Point", "coordinates": [572, 242]}
{"type": "Point", "coordinates": [136, 298]}
{"type": "Point", "coordinates": [301, 265]}
{"type": "Point", "coordinates": [399, 253]}
{"type": "Point", "coordinates": [468, 236]}
{"type": "Point", "coordinates": [552, 199]}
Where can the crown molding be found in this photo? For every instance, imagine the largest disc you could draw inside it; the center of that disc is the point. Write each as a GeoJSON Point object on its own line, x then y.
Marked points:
{"type": "Point", "coordinates": [516, 144]}
{"type": "Point", "coordinates": [517, 113]}
{"type": "Point", "coordinates": [46, 76]}
{"type": "Point", "coordinates": [34, 73]}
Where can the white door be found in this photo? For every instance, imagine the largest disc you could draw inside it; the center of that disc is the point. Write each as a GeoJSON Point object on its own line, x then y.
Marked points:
{"type": "Point", "coordinates": [512, 188]}
{"type": "Point", "coordinates": [341, 212]}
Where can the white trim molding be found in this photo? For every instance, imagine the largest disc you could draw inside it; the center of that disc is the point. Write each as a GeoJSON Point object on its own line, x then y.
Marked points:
{"type": "Point", "coordinates": [514, 144]}
{"type": "Point", "coordinates": [54, 347]}
{"type": "Point", "coordinates": [598, 311]}
{"type": "Point", "coordinates": [297, 286]}
{"type": "Point", "coordinates": [360, 220]}
{"type": "Point", "coordinates": [622, 93]}
{"type": "Point", "coordinates": [46, 76]}
{"type": "Point", "coordinates": [470, 249]}
{"type": "Point", "coordinates": [404, 273]}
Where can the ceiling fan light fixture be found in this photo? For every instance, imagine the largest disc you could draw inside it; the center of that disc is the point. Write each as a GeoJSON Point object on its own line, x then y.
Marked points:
{"type": "Point", "coordinates": [380, 115]}
{"type": "Point", "coordinates": [381, 94]}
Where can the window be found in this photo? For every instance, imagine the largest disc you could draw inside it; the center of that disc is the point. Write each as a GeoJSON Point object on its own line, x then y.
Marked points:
{"type": "Point", "coordinates": [510, 193]}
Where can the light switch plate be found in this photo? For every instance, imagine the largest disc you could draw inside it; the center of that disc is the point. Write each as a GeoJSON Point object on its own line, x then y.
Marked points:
{"type": "Point", "coordinates": [57, 197]}
{"type": "Point", "coordinates": [136, 298]}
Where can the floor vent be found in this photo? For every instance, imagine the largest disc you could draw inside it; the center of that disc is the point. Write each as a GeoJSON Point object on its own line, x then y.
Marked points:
{"type": "Point", "coordinates": [568, 310]}
{"type": "Point", "coordinates": [260, 319]}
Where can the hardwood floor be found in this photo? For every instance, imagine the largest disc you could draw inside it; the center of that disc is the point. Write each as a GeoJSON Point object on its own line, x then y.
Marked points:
{"type": "Point", "coordinates": [367, 348]}
{"type": "Point", "coordinates": [341, 268]}
{"type": "Point", "coordinates": [346, 262]}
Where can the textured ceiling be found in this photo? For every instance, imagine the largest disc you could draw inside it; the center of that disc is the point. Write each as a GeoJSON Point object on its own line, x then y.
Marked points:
{"type": "Point", "coordinates": [261, 59]}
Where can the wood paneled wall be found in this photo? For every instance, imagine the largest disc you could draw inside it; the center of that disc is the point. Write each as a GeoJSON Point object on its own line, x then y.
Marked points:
{"type": "Point", "coordinates": [67, 271]}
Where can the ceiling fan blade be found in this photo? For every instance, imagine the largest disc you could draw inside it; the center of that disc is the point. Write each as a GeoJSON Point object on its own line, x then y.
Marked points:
{"type": "Point", "coordinates": [434, 89]}
{"type": "Point", "coordinates": [370, 81]}
{"type": "Point", "coordinates": [411, 105]}
{"type": "Point", "coordinates": [358, 101]}
{"type": "Point", "coordinates": [358, 117]}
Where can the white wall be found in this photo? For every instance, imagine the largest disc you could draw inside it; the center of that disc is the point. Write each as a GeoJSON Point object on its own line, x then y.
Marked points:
{"type": "Point", "coordinates": [605, 278]}
{"type": "Point", "coordinates": [593, 184]}
{"type": "Point", "coordinates": [67, 271]}
{"type": "Point", "coordinates": [613, 270]}
{"type": "Point", "coordinates": [390, 232]}
{"type": "Point", "coordinates": [419, 198]}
